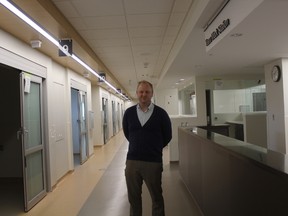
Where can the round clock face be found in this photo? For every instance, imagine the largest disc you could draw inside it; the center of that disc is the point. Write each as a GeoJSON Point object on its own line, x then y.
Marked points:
{"type": "Point", "coordinates": [276, 73]}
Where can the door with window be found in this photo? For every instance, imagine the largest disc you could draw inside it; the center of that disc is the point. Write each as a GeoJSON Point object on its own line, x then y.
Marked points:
{"type": "Point", "coordinates": [113, 118]}
{"type": "Point", "coordinates": [31, 135]}
{"type": "Point", "coordinates": [105, 119]}
{"type": "Point", "coordinates": [83, 127]}
{"type": "Point", "coordinates": [79, 124]}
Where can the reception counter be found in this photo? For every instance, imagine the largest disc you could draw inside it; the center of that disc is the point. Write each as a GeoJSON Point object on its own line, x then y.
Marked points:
{"type": "Point", "coordinates": [230, 177]}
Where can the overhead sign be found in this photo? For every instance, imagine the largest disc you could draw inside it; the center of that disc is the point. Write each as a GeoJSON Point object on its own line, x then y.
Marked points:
{"type": "Point", "coordinates": [228, 19]}
{"type": "Point", "coordinates": [219, 30]}
{"type": "Point", "coordinates": [103, 76]}
{"type": "Point", "coordinates": [66, 45]}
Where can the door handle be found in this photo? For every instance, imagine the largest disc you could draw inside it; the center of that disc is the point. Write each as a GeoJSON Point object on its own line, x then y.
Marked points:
{"type": "Point", "coordinates": [20, 132]}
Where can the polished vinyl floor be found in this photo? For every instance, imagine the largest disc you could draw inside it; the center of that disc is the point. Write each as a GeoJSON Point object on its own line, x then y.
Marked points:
{"type": "Point", "coordinates": [98, 188]}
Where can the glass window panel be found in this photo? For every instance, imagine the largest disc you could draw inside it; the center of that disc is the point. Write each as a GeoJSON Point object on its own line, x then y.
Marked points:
{"type": "Point", "coordinates": [32, 121]}
{"type": "Point", "coordinates": [83, 147]}
{"type": "Point", "coordinates": [34, 171]}
{"type": "Point", "coordinates": [239, 100]}
{"type": "Point", "coordinates": [187, 100]}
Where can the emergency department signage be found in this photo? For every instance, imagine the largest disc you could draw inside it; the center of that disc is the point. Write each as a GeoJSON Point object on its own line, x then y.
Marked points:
{"type": "Point", "coordinates": [227, 20]}
{"type": "Point", "coordinates": [219, 30]}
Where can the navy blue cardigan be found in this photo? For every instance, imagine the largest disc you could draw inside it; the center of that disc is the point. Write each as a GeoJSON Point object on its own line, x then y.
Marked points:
{"type": "Point", "coordinates": [147, 142]}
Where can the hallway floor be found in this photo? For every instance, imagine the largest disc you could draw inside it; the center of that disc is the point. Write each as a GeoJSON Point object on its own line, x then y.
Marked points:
{"type": "Point", "coordinates": [98, 188]}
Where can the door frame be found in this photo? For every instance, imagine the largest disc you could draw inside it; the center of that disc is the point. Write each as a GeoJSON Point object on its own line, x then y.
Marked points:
{"type": "Point", "coordinates": [74, 84]}
{"type": "Point", "coordinates": [21, 63]}
{"type": "Point", "coordinates": [80, 133]}
{"type": "Point", "coordinates": [23, 135]}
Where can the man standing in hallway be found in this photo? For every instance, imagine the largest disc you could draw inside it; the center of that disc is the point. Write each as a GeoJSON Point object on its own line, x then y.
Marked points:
{"type": "Point", "coordinates": [147, 127]}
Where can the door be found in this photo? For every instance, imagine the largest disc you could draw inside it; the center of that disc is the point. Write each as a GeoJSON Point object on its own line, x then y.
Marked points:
{"type": "Point", "coordinates": [259, 101]}
{"type": "Point", "coordinates": [105, 119]}
{"type": "Point", "coordinates": [79, 124]}
{"type": "Point", "coordinates": [31, 135]}
{"type": "Point", "coordinates": [118, 116]}
{"type": "Point", "coordinates": [208, 106]}
{"type": "Point", "coordinates": [75, 125]}
{"type": "Point", "coordinates": [83, 127]}
{"type": "Point", "coordinates": [113, 118]}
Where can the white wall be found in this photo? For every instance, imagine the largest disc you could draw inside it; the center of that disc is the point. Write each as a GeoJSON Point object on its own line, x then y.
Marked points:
{"type": "Point", "coordinates": [56, 102]}
{"type": "Point", "coordinates": [277, 109]}
{"type": "Point", "coordinates": [71, 75]}
{"type": "Point", "coordinates": [167, 99]}
{"type": "Point", "coordinates": [178, 120]}
{"type": "Point", "coordinates": [255, 128]}
{"type": "Point", "coordinates": [201, 100]}
{"type": "Point", "coordinates": [201, 84]}
{"type": "Point", "coordinates": [97, 94]}
{"type": "Point", "coordinates": [96, 108]}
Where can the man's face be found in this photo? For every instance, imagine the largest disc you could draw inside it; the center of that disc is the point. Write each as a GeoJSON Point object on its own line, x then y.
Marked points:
{"type": "Point", "coordinates": [144, 93]}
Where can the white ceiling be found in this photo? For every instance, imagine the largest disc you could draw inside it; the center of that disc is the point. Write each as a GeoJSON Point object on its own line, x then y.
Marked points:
{"type": "Point", "coordinates": [161, 40]}
{"type": "Point", "coordinates": [264, 39]}
{"type": "Point", "coordinates": [132, 37]}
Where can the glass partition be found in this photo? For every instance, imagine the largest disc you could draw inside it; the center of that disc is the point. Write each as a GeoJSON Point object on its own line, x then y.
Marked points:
{"type": "Point", "coordinates": [251, 99]}
{"type": "Point", "coordinates": [187, 100]}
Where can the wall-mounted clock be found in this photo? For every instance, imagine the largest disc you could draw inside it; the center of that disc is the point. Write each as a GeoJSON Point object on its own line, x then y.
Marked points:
{"type": "Point", "coordinates": [276, 73]}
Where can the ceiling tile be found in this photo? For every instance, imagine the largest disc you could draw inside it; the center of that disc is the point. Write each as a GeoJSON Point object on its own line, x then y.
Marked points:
{"type": "Point", "coordinates": [120, 62]}
{"type": "Point", "coordinates": [172, 30]}
{"type": "Point", "coordinates": [169, 40]}
{"type": "Point", "coordinates": [148, 6]}
{"type": "Point", "coordinates": [106, 22]}
{"type": "Point", "coordinates": [150, 59]}
{"type": "Point", "coordinates": [146, 32]}
{"type": "Point", "coordinates": [110, 42]}
{"type": "Point", "coordinates": [67, 9]}
{"type": "Point", "coordinates": [147, 20]}
{"type": "Point", "coordinates": [146, 41]}
{"type": "Point", "coordinates": [182, 6]}
{"type": "Point", "coordinates": [165, 49]}
{"type": "Point", "coordinates": [139, 50]}
{"type": "Point", "coordinates": [127, 34]}
{"type": "Point", "coordinates": [78, 23]}
{"type": "Point", "coordinates": [98, 7]}
{"type": "Point", "coordinates": [104, 33]}
{"type": "Point", "coordinates": [117, 50]}
{"type": "Point", "coordinates": [176, 19]}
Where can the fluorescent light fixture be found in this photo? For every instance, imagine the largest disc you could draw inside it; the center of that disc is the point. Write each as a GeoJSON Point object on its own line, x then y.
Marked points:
{"type": "Point", "coordinates": [76, 58]}
{"type": "Point", "coordinates": [30, 22]}
{"type": "Point", "coordinates": [55, 41]}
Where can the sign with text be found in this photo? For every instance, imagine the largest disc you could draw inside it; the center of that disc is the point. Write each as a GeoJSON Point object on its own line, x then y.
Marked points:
{"type": "Point", "coordinates": [103, 76]}
{"type": "Point", "coordinates": [66, 45]}
{"type": "Point", "coordinates": [219, 30]}
{"type": "Point", "coordinates": [227, 20]}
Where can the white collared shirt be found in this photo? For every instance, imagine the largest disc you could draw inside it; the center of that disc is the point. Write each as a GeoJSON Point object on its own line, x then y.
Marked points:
{"type": "Point", "coordinates": [144, 116]}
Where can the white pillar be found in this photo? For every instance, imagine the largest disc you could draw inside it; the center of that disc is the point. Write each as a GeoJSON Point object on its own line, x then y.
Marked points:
{"type": "Point", "coordinates": [277, 107]}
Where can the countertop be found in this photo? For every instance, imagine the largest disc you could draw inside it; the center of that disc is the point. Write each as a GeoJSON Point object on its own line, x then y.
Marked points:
{"type": "Point", "coordinates": [269, 158]}
{"type": "Point", "coordinates": [235, 122]}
